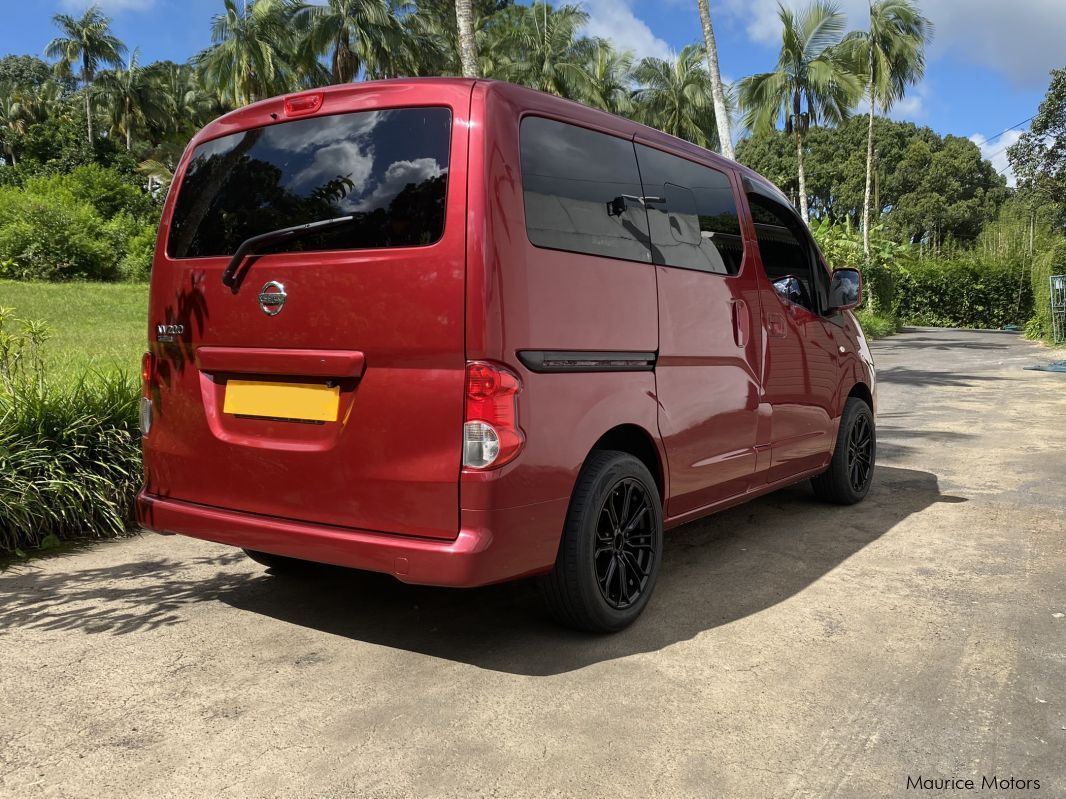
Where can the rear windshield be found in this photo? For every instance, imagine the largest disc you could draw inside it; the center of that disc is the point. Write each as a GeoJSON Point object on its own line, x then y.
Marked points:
{"type": "Point", "coordinates": [387, 168]}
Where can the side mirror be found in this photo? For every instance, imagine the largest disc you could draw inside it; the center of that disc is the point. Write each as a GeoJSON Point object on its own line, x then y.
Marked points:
{"type": "Point", "coordinates": [789, 288]}
{"type": "Point", "coordinates": [845, 290]}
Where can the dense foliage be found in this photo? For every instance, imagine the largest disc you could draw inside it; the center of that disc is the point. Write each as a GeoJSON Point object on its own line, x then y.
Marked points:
{"type": "Point", "coordinates": [69, 453]}
{"type": "Point", "coordinates": [926, 187]}
{"type": "Point", "coordinates": [90, 223]}
{"type": "Point", "coordinates": [1039, 156]}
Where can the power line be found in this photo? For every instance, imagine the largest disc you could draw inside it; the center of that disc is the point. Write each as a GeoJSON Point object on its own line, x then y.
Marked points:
{"type": "Point", "coordinates": [1005, 130]}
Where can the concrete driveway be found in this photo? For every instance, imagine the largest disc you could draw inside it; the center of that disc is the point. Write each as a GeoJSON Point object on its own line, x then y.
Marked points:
{"type": "Point", "coordinates": [792, 649]}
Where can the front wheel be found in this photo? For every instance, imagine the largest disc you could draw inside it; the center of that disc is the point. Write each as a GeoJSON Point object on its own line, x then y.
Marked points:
{"type": "Point", "coordinates": [850, 473]}
{"type": "Point", "coordinates": [611, 547]}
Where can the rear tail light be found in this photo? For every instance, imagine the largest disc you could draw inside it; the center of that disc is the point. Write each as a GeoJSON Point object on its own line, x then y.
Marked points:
{"type": "Point", "coordinates": [147, 374]}
{"type": "Point", "coordinates": [147, 383]}
{"type": "Point", "coordinates": [491, 436]}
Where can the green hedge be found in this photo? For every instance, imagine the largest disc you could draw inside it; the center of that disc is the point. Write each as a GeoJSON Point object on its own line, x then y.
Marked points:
{"type": "Point", "coordinates": [968, 291]}
{"type": "Point", "coordinates": [1052, 262]}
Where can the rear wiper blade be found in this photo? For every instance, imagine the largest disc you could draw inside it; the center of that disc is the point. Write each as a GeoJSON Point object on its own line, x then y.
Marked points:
{"type": "Point", "coordinates": [251, 244]}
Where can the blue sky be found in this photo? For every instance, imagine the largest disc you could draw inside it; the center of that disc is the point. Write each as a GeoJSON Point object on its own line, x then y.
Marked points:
{"type": "Point", "coordinates": [987, 68]}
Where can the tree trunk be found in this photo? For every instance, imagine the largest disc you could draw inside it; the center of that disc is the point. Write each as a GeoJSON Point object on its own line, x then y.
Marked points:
{"type": "Point", "coordinates": [464, 18]}
{"type": "Point", "coordinates": [344, 61]}
{"type": "Point", "coordinates": [802, 177]}
{"type": "Point", "coordinates": [88, 113]}
{"type": "Point", "coordinates": [721, 114]}
{"type": "Point", "coordinates": [869, 182]}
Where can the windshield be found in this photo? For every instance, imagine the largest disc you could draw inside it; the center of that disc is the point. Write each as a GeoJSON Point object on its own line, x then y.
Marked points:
{"type": "Point", "coordinates": [389, 169]}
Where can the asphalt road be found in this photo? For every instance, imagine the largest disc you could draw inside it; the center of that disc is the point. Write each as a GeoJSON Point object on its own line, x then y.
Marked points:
{"type": "Point", "coordinates": [792, 649]}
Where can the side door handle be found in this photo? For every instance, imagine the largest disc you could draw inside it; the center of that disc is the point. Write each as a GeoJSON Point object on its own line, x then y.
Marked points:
{"type": "Point", "coordinates": [741, 323]}
{"type": "Point", "coordinates": [775, 324]}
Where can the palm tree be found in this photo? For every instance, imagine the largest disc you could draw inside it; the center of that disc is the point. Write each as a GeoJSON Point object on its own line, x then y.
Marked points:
{"type": "Point", "coordinates": [13, 118]}
{"type": "Point", "coordinates": [611, 72]}
{"type": "Point", "coordinates": [721, 115]}
{"type": "Point", "coordinates": [813, 81]}
{"type": "Point", "coordinates": [87, 41]}
{"type": "Point", "coordinates": [675, 97]}
{"type": "Point", "coordinates": [464, 20]}
{"type": "Point", "coordinates": [134, 100]}
{"type": "Point", "coordinates": [193, 107]}
{"type": "Point", "coordinates": [254, 50]}
{"type": "Point", "coordinates": [547, 51]}
{"type": "Point", "coordinates": [892, 56]}
{"type": "Point", "coordinates": [357, 35]}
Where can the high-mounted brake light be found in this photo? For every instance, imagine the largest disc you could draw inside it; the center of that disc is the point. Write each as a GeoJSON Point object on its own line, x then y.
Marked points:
{"type": "Point", "coordinates": [491, 436]}
{"type": "Point", "coordinates": [303, 104]}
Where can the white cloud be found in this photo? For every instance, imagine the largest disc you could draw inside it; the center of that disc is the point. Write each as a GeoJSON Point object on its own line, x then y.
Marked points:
{"type": "Point", "coordinates": [343, 159]}
{"type": "Point", "coordinates": [109, 6]}
{"type": "Point", "coordinates": [396, 178]}
{"type": "Point", "coordinates": [995, 150]}
{"type": "Point", "coordinates": [1022, 40]}
{"type": "Point", "coordinates": [615, 20]}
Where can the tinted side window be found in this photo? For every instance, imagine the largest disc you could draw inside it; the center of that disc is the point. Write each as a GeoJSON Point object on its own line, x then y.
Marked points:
{"type": "Point", "coordinates": [582, 191]}
{"type": "Point", "coordinates": [692, 214]}
{"type": "Point", "coordinates": [783, 246]}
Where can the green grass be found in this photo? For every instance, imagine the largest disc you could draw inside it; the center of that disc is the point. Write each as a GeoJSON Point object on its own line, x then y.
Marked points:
{"type": "Point", "coordinates": [98, 327]}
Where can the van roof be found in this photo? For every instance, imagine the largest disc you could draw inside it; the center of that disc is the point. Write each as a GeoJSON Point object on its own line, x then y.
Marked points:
{"type": "Point", "coordinates": [268, 111]}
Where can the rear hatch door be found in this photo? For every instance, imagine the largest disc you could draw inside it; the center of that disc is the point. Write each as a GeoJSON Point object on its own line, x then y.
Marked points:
{"type": "Point", "coordinates": [327, 384]}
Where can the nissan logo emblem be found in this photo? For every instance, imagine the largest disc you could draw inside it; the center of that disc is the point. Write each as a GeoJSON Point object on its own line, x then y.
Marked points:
{"type": "Point", "coordinates": [272, 298]}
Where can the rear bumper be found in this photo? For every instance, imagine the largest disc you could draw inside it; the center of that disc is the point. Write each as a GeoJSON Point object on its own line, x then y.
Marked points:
{"type": "Point", "coordinates": [492, 545]}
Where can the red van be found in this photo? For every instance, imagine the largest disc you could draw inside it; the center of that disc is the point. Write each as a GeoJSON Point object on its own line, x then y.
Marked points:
{"type": "Point", "coordinates": [462, 332]}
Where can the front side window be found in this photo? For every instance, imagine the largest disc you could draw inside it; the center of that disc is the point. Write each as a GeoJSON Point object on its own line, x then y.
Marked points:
{"type": "Point", "coordinates": [785, 250]}
{"type": "Point", "coordinates": [582, 191]}
{"type": "Point", "coordinates": [692, 214]}
{"type": "Point", "coordinates": [388, 169]}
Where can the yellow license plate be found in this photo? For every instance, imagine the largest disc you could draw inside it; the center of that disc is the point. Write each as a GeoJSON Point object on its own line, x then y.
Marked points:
{"type": "Point", "coordinates": [307, 401]}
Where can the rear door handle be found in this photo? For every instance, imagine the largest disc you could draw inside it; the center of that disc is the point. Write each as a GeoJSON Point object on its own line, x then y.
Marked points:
{"type": "Point", "coordinates": [295, 362]}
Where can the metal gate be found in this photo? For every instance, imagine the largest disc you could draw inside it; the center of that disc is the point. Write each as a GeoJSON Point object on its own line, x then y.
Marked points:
{"type": "Point", "coordinates": [1058, 308]}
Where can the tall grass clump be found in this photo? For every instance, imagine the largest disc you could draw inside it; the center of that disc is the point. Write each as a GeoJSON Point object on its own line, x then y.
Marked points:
{"type": "Point", "coordinates": [69, 453]}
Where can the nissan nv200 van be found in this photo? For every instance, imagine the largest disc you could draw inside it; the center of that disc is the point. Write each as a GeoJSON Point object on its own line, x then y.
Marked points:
{"type": "Point", "coordinates": [461, 332]}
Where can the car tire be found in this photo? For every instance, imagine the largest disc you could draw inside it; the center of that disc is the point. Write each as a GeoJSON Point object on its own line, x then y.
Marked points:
{"type": "Point", "coordinates": [610, 551]}
{"type": "Point", "coordinates": [278, 564]}
{"type": "Point", "coordinates": [850, 472]}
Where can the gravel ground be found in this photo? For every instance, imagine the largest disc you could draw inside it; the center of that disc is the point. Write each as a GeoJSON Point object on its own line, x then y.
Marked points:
{"type": "Point", "coordinates": [792, 649]}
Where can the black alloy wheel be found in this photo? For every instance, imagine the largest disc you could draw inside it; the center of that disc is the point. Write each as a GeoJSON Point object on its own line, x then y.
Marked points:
{"type": "Point", "coordinates": [611, 547]}
{"type": "Point", "coordinates": [851, 469]}
{"type": "Point", "coordinates": [625, 550]}
{"type": "Point", "coordinates": [860, 454]}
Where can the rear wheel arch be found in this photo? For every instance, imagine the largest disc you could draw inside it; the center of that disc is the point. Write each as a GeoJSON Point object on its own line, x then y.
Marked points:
{"type": "Point", "coordinates": [638, 442]}
{"type": "Point", "coordinates": [862, 391]}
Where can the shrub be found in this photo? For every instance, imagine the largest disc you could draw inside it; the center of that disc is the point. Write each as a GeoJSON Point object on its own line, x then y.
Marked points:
{"type": "Point", "coordinates": [92, 224]}
{"type": "Point", "coordinates": [53, 238]}
{"type": "Point", "coordinates": [875, 325]}
{"type": "Point", "coordinates": [69, 455]}
{"type": "Point", "coordinates": [136, 264]}
{"type": "Point", "coordinates": [108, 191]}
